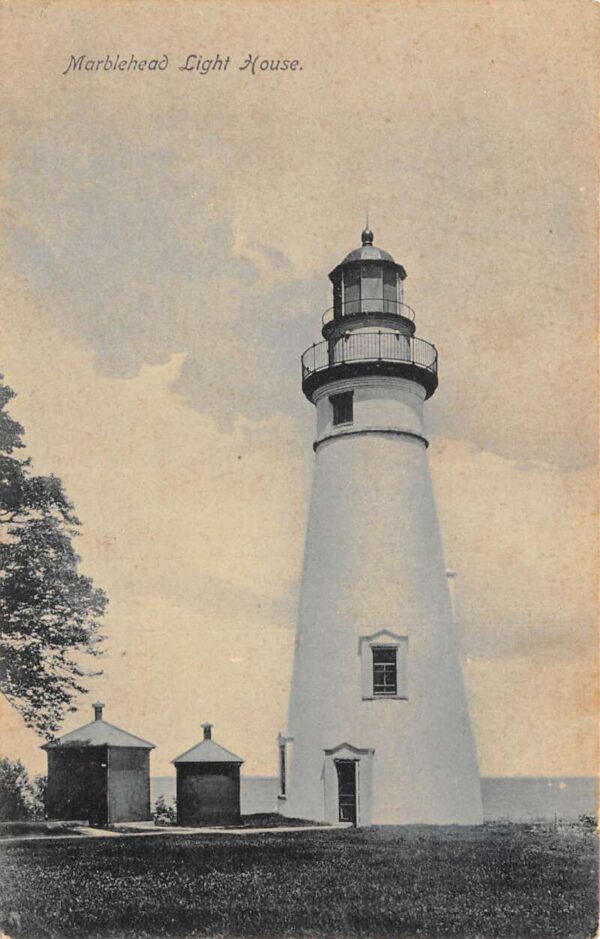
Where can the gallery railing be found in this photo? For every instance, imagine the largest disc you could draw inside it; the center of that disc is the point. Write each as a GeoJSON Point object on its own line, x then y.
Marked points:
{"type": "Point", "coordinates": [364, 306]}
{"type": "Point", "coordinates": [374, 345]}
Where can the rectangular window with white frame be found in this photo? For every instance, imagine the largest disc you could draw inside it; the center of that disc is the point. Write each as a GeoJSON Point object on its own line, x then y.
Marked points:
{"type": "Point", "coordinates": [383, 666]}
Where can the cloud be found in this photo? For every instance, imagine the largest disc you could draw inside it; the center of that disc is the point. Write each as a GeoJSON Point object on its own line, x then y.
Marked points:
{"type": "Point", "coordinates": [217, 246]}
{"type": "Point", "coordinates": [522, 538]}
{"type": "Point", "coordinates": [141, 267]}
{"type": "Point", "coordinates": [170, 246]}
{"type": "Point", "coordinates": [194, 529]}
{"type": "Point", "coordinates": [195, 526]}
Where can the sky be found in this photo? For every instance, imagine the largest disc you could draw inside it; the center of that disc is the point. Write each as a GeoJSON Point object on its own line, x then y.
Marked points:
{"type": "Point", "coordinates": [167, 238]}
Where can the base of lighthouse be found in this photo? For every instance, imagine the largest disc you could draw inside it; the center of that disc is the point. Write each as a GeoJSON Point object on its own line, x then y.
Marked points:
{"type": "Point", "coordinates": [378, 726]}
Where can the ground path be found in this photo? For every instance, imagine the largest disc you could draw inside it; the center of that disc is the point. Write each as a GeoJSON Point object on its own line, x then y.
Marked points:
{"type": "Point", "coordinates": [147, 829]}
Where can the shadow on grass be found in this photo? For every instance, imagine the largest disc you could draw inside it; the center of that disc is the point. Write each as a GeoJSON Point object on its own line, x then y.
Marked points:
{"type": "Point", "coordinates": [35, 829]}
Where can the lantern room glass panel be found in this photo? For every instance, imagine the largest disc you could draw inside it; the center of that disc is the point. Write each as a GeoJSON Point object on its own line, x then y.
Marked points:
{"type": "Point", "coordinates": [351, 291]}
{"type": "Point", "coordinates": [390, 291]}
{"type": "Point", "coordinates": [371, 288]}
{"type": "Point", "coordinates": [337, 299]}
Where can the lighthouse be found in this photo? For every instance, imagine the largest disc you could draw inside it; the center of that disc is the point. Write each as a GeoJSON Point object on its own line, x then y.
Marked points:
{"type": "Point", "coordinates": [378, 723]}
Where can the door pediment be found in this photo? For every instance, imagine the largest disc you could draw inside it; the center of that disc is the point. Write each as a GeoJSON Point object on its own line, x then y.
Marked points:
{"type": "Point", "coordinates": [348, 751]}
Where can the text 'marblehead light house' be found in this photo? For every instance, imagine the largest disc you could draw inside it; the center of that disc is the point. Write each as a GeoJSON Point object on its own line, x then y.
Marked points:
{"type": "Point", "coordinates": [378, 726]}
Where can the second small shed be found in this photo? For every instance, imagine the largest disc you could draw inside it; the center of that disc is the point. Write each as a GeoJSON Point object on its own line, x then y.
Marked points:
{"type": "Point", "coordinates": [208, 784]}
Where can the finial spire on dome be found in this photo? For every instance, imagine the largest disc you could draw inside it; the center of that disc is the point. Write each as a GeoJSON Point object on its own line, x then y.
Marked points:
{"type": "Point", "coordinates": [367, 234]}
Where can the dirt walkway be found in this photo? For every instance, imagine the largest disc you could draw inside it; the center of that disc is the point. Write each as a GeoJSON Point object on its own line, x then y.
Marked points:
{"type": "Point", "coordinates": [145, 830]}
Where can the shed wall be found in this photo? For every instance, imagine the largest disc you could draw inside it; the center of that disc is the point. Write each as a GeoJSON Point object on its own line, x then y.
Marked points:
{"type": "Point", "coordinates": [128, 784]}
{"type": "Point", "coordinates": [208, 793]}
{"type": "Point", "coordinates": [77, 784]}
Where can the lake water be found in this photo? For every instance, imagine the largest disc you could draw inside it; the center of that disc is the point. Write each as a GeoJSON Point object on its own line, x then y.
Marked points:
{"type": "Point", "coordinates": [258, 793]}
{"type": "Point", "coordinates": [514, 798]}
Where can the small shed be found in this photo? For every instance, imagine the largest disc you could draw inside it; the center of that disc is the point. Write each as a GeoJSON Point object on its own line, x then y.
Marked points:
{"type": "Point", "coordinates": [208, 784]}
{"type": "Point", "coordinates": [99, 773]}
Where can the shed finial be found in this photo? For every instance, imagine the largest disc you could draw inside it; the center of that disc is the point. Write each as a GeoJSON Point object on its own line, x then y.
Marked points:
{"type": "Point", "coordinates": [98, 709]}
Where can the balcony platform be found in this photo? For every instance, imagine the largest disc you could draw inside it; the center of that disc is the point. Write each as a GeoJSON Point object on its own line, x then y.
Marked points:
{"type": "Point", "coordinates": [370, 352]}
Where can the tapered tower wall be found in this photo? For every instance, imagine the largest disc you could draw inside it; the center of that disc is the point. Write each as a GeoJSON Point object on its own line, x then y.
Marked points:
{"type": "Point", "coordinates": [374, 573]}
{"type": "Point", "coordinates": [378, 725]}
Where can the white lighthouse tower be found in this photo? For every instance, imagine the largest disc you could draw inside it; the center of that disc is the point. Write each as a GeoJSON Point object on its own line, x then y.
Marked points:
{"type": "Point", "coordinates": [378, 725]}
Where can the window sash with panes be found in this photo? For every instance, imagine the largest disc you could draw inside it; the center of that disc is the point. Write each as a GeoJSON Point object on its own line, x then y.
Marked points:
{"type": "Point", "coordinates": [342, 408]}
{"type": "Point", "coordinates": [385, 671]}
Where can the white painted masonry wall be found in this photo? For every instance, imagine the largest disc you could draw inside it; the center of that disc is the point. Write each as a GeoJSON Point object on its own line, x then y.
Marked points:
{"type": "Point", "coordinates": [374, 561]}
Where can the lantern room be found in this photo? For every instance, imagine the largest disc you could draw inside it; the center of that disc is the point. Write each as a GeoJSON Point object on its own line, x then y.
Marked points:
{"type": "Point", "coordinates": [369, 330]}
{"type": "Point", "coordinates": [368, 282]}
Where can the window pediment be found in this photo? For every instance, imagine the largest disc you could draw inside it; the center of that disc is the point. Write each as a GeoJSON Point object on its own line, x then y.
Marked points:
{"type": "Point", "coordinates": [381, 638]}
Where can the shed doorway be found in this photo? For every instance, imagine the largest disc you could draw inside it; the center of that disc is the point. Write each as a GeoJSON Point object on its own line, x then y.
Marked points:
{"type": "Point", "coordinates": [346, 774]}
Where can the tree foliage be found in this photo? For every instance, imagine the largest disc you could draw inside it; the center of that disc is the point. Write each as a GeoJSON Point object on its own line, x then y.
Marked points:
{"type": "Point", "coordinates": [20, 797]}
{"type": "Point", "coordinates": [49, 611]}
{"type": "Point", "coordinates": [164, 813]}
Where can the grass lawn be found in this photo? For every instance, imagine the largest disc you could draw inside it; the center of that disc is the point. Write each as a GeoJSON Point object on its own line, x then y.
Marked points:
{"type": "Point", "coordinates": [512, 880]}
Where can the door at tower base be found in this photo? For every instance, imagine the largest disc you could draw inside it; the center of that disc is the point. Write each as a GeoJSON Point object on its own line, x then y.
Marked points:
{"type": "Point", "coordinates": [347, 780]}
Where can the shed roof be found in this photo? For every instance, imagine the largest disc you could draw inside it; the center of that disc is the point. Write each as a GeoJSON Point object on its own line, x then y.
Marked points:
{"type": "Point", "coordinates": [99, 733]}
{"type": "Point", "coordinates": [207, 751]}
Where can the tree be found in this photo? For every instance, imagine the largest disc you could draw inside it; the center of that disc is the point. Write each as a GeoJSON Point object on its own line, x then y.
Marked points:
{"type": "Point", "coordinates": [20, 798]}
{"type": "Point", "coordinates": [49, 612]}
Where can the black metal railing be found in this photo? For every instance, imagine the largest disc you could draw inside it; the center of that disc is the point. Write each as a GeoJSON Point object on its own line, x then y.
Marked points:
{"type": "Point", "coordinates": [369, 345]}
{"type": "Point", "coordinates": [364, 306]}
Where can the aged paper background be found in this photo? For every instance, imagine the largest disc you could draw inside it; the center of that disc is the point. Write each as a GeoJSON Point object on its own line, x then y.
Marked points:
{"type": "Point", "coordinates": [167, 240]}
